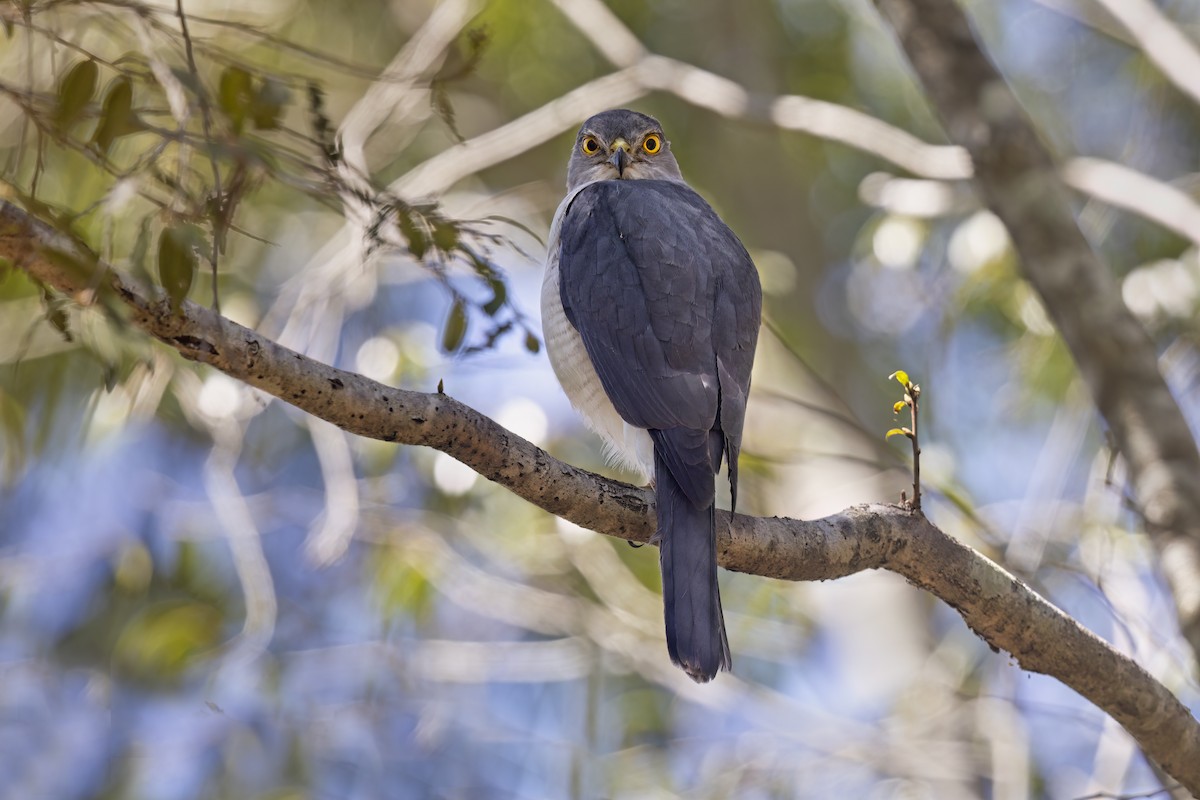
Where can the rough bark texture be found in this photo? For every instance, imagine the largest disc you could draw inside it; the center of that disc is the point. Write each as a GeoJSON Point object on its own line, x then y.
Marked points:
{"type": "Point", "coordinates": [1018, 180]}
{"type": "Point", "coordinates": [1002, 610]}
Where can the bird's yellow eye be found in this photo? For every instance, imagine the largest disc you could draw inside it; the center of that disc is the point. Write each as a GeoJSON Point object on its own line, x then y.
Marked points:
{"type": "Point", "coordinates": [589, 146]}
{"type": "Point", "coordinates": [652, 144]}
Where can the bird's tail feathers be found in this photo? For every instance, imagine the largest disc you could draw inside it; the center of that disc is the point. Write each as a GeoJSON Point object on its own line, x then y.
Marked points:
{"type": "Point", "coordinates": [696, 638]}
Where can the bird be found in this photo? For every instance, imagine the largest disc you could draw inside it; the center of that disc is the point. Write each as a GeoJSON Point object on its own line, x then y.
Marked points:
{"type": "Point", "coordinates": [651, 308]}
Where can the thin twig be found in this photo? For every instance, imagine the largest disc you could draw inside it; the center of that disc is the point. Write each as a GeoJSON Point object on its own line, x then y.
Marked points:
{"type": "Point", "coordinates": [914, 391]}
{"type": "Point", "coordinates": [1142, 796]}
{"type": "Point", "coordinates": [218, 220]}
{"type": "Point", "coordinates": [1161, 41]}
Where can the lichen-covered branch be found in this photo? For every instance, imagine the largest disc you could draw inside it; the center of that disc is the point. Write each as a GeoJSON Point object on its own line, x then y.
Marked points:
{"type": "Point", "coordinates": [1017, 179]}
{"type": "Point", "coordinates": [1002, 610]}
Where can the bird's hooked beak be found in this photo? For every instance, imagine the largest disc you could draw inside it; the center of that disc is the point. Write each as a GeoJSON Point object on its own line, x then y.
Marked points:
{"type": "Point", "coordinates": [620, 156]}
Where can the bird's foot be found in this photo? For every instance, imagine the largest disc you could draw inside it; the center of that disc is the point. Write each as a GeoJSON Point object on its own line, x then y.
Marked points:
{"type": "Point", "coordinates": [655, 538]}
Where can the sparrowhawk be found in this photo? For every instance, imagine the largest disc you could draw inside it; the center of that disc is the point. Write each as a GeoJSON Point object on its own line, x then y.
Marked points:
{"type": "Point", "coordinates": [650, 310]}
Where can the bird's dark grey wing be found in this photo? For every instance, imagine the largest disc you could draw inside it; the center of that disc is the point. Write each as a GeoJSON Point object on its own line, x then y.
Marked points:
{"type": "Point", "coordinates": [666, 300]}
{"type": "Point", "coordinates": [736, 320]}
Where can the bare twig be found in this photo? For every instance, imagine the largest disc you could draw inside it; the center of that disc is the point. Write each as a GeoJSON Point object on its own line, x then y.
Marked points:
{"type": "Point", "coordinates": [1114, 184]}
{"type": "Point", "coordinates": [1001, 609]}
{"type": "Point", "coordinates": [1136, 192]}
{"type": "Point", "coordinates": [234, 516]}
{"type": "Point", "coordinates": [329, 537]}
{"type": "Point", "coordinates": [1142, 796]}
{"type": "Point", "coordinates": [219, 209]}
{"type": "Point", "coordinates": [1161, 41]}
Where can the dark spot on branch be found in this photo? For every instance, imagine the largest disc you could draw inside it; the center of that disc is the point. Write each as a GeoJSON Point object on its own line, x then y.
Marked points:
{"type": "Point", "coordinates": [336, 383]}
{"type": "Point", "coordinates": [631, 503]}
{"type": "Point", "coordinates": [195, 343]}
{"type": "Point", "coordinates": [418, 420]}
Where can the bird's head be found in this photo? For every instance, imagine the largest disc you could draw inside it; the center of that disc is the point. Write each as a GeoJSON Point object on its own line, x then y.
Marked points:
{"type": "Point", "coordinates": [621, 145]}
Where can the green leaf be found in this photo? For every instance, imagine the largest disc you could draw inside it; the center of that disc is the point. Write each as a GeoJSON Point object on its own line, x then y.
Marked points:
{"type": "Point", "coordinates": [118, 118]}
{"type": "Point", "coordinates": [56, 313]}
{"type": "Point", "coordinates": [111, 376]}
{"type": "Point", "coordinates": [268, 103]}
{"type": "Point", "coordinates": [403, 588]}
{"type": "Point", "coordinates": [15, 428]}
{"type": "Point", "coordinates": [901, 377]}
{"type": "Point", "coordinates": [445, 235]}
{"type": "Point", "coordinates": [141, 247]}
{"type": "Point", "coordinates": [163, 640]}
{"type": "Point", "coordinates": [236, 96]}
{"type": "Point", "coordinates": [200, 241]}
{"type": "Point", "coordinates": [74, 93]}
{"type": "Point", "coordinates": [456, 326]}
{"type": "Point", "coordinates": [528, 231]}
{"type": "Point", "coordinates": [499, 294]}
{"type": "Point", "coordinates": [177, 263]}
{"type": "Point", "coordinates": [440, 98]}
{"type": "Point", "coordinates": [531, 343]}
{"type": "Point", "coordinates": [418, 242]}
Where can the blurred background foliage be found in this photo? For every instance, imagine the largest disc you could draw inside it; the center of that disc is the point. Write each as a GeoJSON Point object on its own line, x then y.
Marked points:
{"type": "Point", "coordinates": [207, 594]}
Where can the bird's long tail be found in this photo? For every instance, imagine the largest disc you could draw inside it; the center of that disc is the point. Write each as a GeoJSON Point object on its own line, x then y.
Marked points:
{"type": "Point", "coordinates": [687, 534]}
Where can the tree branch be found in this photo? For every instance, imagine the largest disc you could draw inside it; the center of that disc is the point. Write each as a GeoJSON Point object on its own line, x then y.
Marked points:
{"type": "Point", "coordinates": [1018, 181]}
{"type": "Point", "coordinates": [1002, 610]}
{"type": "Point", "coordinates": [1116, 185]}
{"type": "Point", "coordinates": [1161, 41]}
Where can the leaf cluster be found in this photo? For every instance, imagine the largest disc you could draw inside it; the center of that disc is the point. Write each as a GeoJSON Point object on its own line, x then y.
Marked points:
{"type": "Point", "coordinates": [168, 139]}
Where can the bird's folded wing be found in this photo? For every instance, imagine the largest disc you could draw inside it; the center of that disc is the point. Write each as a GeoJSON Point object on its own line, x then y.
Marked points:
{"type": "Point", "coordinates": [665, 299]}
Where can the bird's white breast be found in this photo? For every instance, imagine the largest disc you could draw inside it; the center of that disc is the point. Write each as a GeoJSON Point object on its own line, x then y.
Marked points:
{"type": "Point", "coordinates": [626, 445]}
